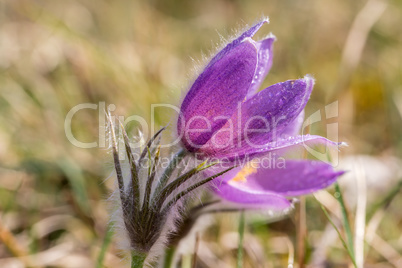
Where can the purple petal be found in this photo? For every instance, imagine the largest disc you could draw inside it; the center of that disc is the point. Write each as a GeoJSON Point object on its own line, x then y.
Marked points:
{"type": "Point", "coordinates": [252, 31]}
{"type": "Point", "coordinates": [264, 64]}
{"type": "Point", "coordinates": [280, 147]}
{"type": "Point", "coordinates": [247, 34]}
{"type": "Point", "coordinates": [290, 177]}
{"type": "Point", "coordinates": [265, 184]}
{"type": "Point", "coordinates": [294, 127]}
{"type": "Point", "coordinates": [266, 115]}
{"type": "Point", "coordinates": [301, 142]}
{"type": "Point", "coordinates": [261, 119]}
{"type": "Point", "coordinates": [213, 97]}
{"type": "Point", "coordinates": [250, 198]}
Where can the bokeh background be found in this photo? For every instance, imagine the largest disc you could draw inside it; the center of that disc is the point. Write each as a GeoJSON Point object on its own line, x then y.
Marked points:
{"type": "Point", "coordinates": [55, 55]}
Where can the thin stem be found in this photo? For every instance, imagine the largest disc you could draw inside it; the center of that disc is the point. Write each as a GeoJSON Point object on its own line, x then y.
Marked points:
{"type": "Point", "coordinates": [302, 233]}
{"type": "Point", "coordinates": [186, 224]}
{"type": "Point", "coordinates": [197, 210]}
{"type": "Point", "coordinates": [138, 259]}
{"type": "Point", "coordinates": [105, 244]}
{"type": "Point", "coordinates": [241, 238]}
{"type": "Point", "coordinates": [386, 201]}
{"type": "Point", "coordinates": [197, 243]}
{"type": "Point", "coordinates": [339, 235]}
{"type": "Point", "coordinates": [221, 210]}
{"type": "Point", "coordinates": [11, 243]}
{"type": "Point", "coordinates": [345, 220]}
{"type": "Point", "coordinates": [186, 261]}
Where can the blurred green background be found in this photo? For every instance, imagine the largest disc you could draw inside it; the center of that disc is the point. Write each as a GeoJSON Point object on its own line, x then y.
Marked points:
{"type": "Point", "coordinates": [55, 55]}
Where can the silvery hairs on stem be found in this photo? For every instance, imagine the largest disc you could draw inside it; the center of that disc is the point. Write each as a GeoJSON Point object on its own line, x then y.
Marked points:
{"type": "Point", "coordinates": [153, 200]}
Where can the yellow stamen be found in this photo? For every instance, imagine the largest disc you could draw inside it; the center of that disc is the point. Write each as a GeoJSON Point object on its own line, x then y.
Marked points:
{"type": "Point", "coordinates": [242, 175]}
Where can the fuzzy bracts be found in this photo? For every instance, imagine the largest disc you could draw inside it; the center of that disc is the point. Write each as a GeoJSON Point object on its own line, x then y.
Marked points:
{"type": "Point", "coordinates": [152, 200]}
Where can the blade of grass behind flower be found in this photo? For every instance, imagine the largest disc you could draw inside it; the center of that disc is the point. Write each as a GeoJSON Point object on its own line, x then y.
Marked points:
{"type": "Point", "coordinates": [197, 244]}
{"type": "Point", "coordinates": [169, 257]}
{"type": "Point", "coordinates": [350, 253]}
{"type": "Point", "coordinates": [12, 244]}
{"type": "Point", "coordinates": [186, 260]}
{"type": "Point", "coordinates": [345, 219]}
{"type": "Point", "coordinates": [77, 181]}
{"type": "Point", "coordinates": [384, 202]}
{"type": "Point", "coordinates": [360, 214]}
{"type": "Point", "coordinates": [105, 245]}
{"type": "Point", "coordinates": [241, 238]}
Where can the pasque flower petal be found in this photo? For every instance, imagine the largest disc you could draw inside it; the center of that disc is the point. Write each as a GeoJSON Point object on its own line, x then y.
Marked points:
{"type": "Point", "coordinates": [269, 111]}
{"type": "Point", "coordinates": [215, 94]}
{"type": "Point", "coordinates": [280, 147]}
{"type": "Point", "coordinates": [261, 119]}
{"type": "Point", "coordinates": [264, 64]}
{"type": "Point", "coordinates": [294, 127]}
{"type": "Point", "coordinates": [265, 55]}
{"type": "Point", "coordinates": [269, 186]}
{"type": "Point", "coordinates": [250, 198]}
{"type": "Point", "coordinates": [247, 34]}
{"type": "Point", "coordinates": [291, 178]}
{"type": "Point", "coordinates": [301, 142]}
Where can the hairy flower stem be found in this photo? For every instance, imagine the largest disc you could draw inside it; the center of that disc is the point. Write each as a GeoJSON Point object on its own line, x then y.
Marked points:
{"type": "Point", "coordinates": [137, 259]}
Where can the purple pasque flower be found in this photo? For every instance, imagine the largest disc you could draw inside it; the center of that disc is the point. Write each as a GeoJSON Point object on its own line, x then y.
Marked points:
{"type": "Point", "coordinates": [222, 117]}
{"type": "Point", "coordinates": [269, 185]}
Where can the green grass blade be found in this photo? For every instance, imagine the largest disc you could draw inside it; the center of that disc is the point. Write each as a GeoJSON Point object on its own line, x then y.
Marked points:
{"type": "Point", "coordinates": [345, 219]}
{"type": "Point", "coordinates": [169, 257]}
{"type": "Point", "coordinates": [385, 201]}
{"type": "Point", "coordinates": [241, 238]}
{"type": "Point", "coordinates": [76, 179]}
{"type": "Point", "coordinates": [105, 245]}
{"type": "Point", "coordinates": [350, 253]}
